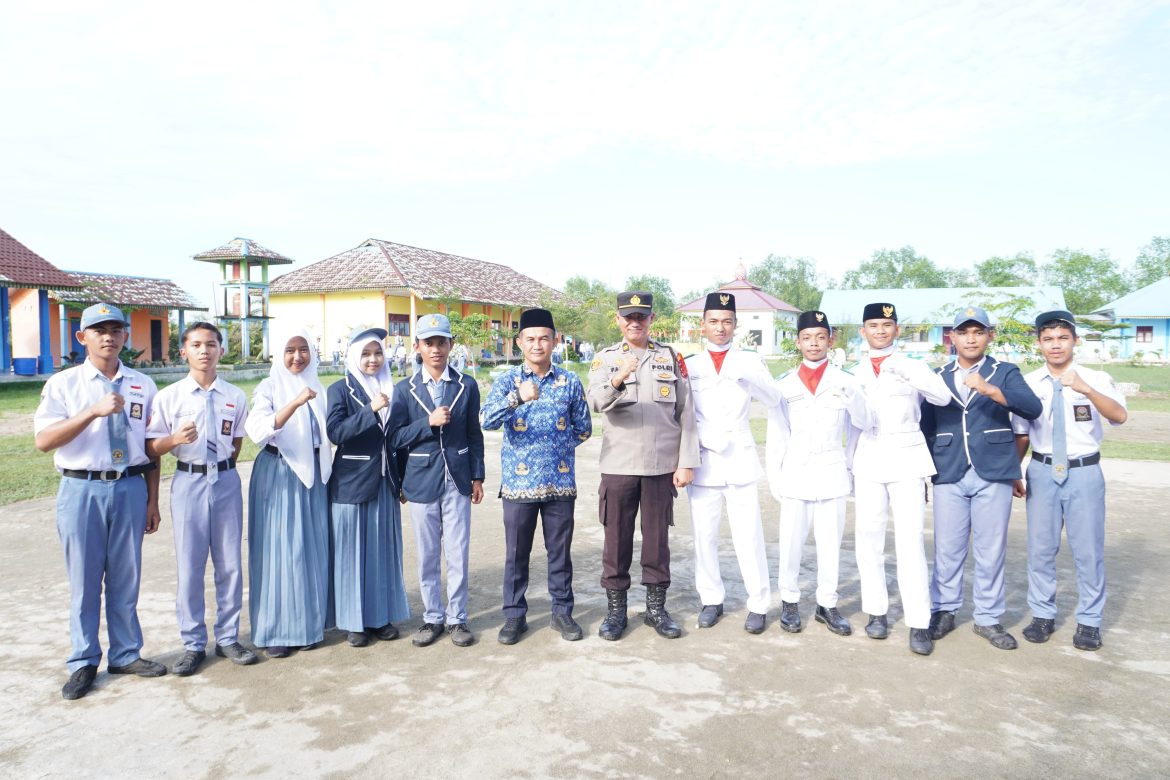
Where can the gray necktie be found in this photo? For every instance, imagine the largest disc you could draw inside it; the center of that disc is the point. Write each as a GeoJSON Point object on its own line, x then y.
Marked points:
{"type": "Point", "coordinates": [211, 432]}
{"type": "Point", "coordinates": [116, 428]}
{"type": "Point", "coordinates": [1059, 439]}
{"type": "Point", "coordinates": [961, 388]}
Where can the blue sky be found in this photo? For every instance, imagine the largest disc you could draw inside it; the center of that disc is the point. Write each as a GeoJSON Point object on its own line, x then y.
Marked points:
{"type": "Point", "coordinates": [602, 139]}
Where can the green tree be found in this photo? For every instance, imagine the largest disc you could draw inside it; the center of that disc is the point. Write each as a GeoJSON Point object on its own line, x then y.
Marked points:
{"type": "Point", "coordinates": [659, 287]}
{"type": "Point", "coordinates": [585, 311]}
{"type": "Point", "coordinates": [1088, 281]}
{"type": "Point", "coordinates": [894, 268]}
{"type": "Point", "coordinates": [794, 280]}
{"type": "Point", "coordinates": [1016, 271]}
{"type": "Point", "coordinates": [1153, 263]}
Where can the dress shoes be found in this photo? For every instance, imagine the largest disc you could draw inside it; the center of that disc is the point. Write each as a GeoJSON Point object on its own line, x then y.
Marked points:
{"type": "Point", "coordinates": [357, 639]}
{"type": "Point", "coordinates": [709, 615]}
{"type": "Point", "coordinates": [833, 620]}
{"type": "Point", "coordinates": [790, 617]}
{"type": "Point", "coordinates": [511, 630]}
{"type": "Point", "coordinates": [570, 630]}
{"type": "Point", "coordinates": [277, 651]}
{"type": "Point", "coordinates": [461, 636]}
{"type": "Point", "coordinates": [79, 683]}
{"type": "Point", "coordinates": [141, 667]}
{"type": "Point", "coordinates": [427, 634]}
{"type": "Point", "coordinates": [189, 663]}
{"type": "Point", "coordinates": [1039, 630]}
{"type": "Point", "coordinates": [386, 633]}
{"type": "Point", "coordinates": [236, 653]}
{"type": "Point", "coordinates": [920, 641]}
{"type": "Point", "coordinates": [941, 624]}
{"type": "Point", "coordinates": [755, 623]}
{"type": "Point", "coordinates": [997, 636]}
{"type": "Point", "coordinates": [1087, 637]}
{"type": "Point", "coordinates": [311, 646]}
{"type": "Point", "coordinates": [877, 627]}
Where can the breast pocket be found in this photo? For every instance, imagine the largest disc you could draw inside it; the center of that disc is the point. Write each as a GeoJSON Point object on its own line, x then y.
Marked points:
{"type": "Point", "coordinates": [942, 441]}
{"type": "Point", "coordinates": [664, 389]}
{"type": "Point", "coordinates": [999, 436]}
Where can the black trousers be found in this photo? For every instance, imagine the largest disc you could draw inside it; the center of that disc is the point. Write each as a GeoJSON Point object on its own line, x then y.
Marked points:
{"type": "Point", "coordinates": [622, 496]}
{"type": "Point", "coordinates": [519, 531]}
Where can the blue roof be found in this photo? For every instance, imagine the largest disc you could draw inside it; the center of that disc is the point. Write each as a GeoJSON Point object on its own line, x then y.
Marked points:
{"type": "Point", "coordinates": [1150, 302]}
{"type": "Point", "coordinates": [938, 305]}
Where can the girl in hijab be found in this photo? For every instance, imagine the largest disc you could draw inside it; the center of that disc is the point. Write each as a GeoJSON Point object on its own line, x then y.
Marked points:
{"type": "Point", "coordinates": [368, 588]}
{"type": "Point", "coordinates": [288, 503]}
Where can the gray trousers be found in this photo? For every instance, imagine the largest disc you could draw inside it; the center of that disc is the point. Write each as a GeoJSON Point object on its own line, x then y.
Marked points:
{"type": "Point", "coordinates": [442, 529]}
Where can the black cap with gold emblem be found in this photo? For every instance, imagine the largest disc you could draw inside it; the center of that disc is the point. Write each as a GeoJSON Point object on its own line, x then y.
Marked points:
{"type": "Point", "coordinates": [813, 319]}
{"type": "Point", "coordinates": [634, 302]}
{"type": "Point", "coordinates": [879, 311]}
{"type": "Point", "coordinates": [719, 301]}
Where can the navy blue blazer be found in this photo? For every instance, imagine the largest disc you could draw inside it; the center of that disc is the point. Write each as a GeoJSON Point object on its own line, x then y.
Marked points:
{"type": "Point", "coordinates": [361, 439]}
{"type": "Point", "coordinates": [978, 433]}
{"type": "Point", "coordinates": [432, 452]}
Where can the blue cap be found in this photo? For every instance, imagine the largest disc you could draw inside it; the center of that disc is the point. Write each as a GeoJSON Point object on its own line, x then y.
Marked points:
{"type": "Point", "coordinates": [972, 314]}
{"type": "Point", "coordinates": [432, 325]}
{"type": "Point", "coordinates": [102, 312]}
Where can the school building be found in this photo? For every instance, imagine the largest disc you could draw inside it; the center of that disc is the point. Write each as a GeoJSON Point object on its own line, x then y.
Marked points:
{"type": "Point", "coordinates": [26, 344]}
{"type": "Point", "coordinates": [1147, 313]}
{"type": "Point", "coordinates": [763, 321]}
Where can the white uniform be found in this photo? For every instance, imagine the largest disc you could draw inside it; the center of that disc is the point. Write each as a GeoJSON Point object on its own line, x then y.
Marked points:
{"type": "Point", "coordinates": [890, 469]}
{"type": "Point", "coordinates": [729, 470]}
{"type": "Point", "coordinates": [811, 439]}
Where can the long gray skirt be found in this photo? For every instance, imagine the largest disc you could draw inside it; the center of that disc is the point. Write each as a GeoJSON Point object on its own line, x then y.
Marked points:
{"type": "Point", "coordinates": [368, 586]}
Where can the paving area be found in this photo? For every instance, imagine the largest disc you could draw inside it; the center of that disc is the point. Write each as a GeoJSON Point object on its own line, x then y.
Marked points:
{"type": "Point", "coordinates": [716, 702]}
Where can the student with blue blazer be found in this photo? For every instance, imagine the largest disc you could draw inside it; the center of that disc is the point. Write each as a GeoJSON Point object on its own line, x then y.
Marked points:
{"type": "Point", "coordinates": [435, 417]}
{"type": "Point", "coordinates": [978, 466]}
{"type": "Point", "coordinates": [369, 592]}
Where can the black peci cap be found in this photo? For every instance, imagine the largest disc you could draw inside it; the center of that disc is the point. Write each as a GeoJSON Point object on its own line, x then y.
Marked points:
{"type": "Point", "coordinates": [719, 301]}
{"type": "Point", "coordinates": [879, 311]}
{"type": "Point", "coordinates": [813, 319]}
{"type": "Point", "coordinates": [537, 318]}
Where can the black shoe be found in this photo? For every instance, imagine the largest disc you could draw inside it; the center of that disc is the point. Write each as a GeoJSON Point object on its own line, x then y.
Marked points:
{"type": "Point", "coordinates": [1039, 630]}
{"type": "Point", "coordinates": [512, 629]}
{"type": "Point", "coordinates": [79, 683]}
{"type": "Point", "coordinates": [790, 617]}
{"type": "Point", "coordinates": [877, 627]}
{"type": "Point", "coordinates": [941, 624]}
{"type": "Point", "coordinates": [568, 627]}
{"type": "Point", "coordinates": [357, 639]}
{"type": "Point", "coordinates": [833, 620]}
{"type": "Point", "coordinates": [755, 623]}
{"type": "Point", "coordinates": [237, 653]}
{"type": "Point", "coordinates": [427, 634]}
{"type": "Point", "coordinates": [386, 633]}
{"type": "Point", "coordinates": [310, 646]}
{"type": "Point", "coordinates": [997, 636]}
{"type": "Point", "coordinates": [709, 615]}
{"type": "Point", "coordinates": [656, 614]}
{"type": "Point", "coordinates": [920, 641]}
{"type": "Point", "coordinates": [276, 651]}
{"type": "Point", "coordinates": [460, 635]}
{"type": "Point", "coordinates": [141, 667]}
{"type": "Point", "coordinates": [1087, 637]}
{"type": "Point", "coordinates": [615, 618]}
{"type": "Point", "coordinates": [189, 663]}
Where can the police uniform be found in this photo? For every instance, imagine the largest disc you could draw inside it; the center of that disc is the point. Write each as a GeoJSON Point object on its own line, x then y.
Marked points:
{"type": "Point", "coordinates": [102, 505]}
{"type": "Point", "coordinates": [1066, 489]}
{"type": "Point", "coordinates": [812, 433]}
{"type": "Point", "coordinates": [890, 469]}
{"type": "Point", "coordinates": [649, 433]}
{"type": "Point", "coordinates": [724, 382]}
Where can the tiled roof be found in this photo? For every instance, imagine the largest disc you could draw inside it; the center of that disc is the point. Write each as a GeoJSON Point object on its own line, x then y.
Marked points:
{"type": "Point", "coordinates": [22, 267]}
{"type": "Point", "coordinates": [139, 291]}
{"type": "Point", "coordinates": [938, 305]}
{"type": "Point", "coordinates": [384, 265]}
{"type": "Point", "coordinates": [748, 297]}
{"type": "Point", "coordinates": [1149, 302]}
{"type": "Point", "coordinates": [240, 248]}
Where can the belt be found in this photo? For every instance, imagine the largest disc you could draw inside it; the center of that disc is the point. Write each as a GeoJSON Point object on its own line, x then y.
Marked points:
{"type": "Point", "coordinates": [273, 449]}
{"type": "Point", "coordinates": [109, 476]}
{"type": "Point", "coordinates": [198, 468]}
{"type": "Point", "coordinates": [1088, 460]}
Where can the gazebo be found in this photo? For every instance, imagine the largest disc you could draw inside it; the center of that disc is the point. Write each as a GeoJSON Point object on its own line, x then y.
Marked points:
{"type": "Point", "coordinates": [242, 296]}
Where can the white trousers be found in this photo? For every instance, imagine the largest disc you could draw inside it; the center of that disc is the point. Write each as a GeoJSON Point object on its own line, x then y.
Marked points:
{"type": "Point", "coordinates": [743, 512]}
{"type": "Point", "coordinates": [827, 519]}
{"type": "Point", "coordinates": [905, 501]}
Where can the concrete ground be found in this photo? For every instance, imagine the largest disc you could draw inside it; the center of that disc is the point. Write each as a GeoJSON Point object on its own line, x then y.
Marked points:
{"type": "Point", "coordinates": [717, 702]}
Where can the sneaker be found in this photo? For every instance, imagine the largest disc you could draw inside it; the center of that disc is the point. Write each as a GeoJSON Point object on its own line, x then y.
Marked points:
{"type": "Point", "coordinates": [511, 630]}
{"type": "Point", "coordinates": [996, 635]}
{"type": "Point", "coordinates": [79, 683]}
{"type": "Point", "coordinates": [385, 633]}
{"type": "Point", "coordinates": [277, 651]}
{"type": "Point", "coordinates": [189, 663]}
{"type": "Point", "coordinates": [236, 653]}
{"type": "Point", "coordinates": [570, 630]}
{"type": "Point", "coordinates": [427, 634]}
{"type": "Point", "coordinates": [1039, 630]}
{"type": "Point", "coordinates": [357, 639]}
{"type": "Point", "coordinates": [141, 667]}
{"type": "Point", "coordinates": [941, 624]}
{"type": "Point", "coordinates": [460, 635]}
{"type": "Point", "coordinates": [1087, 637]}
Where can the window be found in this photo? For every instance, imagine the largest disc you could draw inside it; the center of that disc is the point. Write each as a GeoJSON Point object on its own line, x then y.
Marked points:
{"type": "Point", "coordinates": [398, 324]}
{"type": "Point", "coordinates": [1145, 334]}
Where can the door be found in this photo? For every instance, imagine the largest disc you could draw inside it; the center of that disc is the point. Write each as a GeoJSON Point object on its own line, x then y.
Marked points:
{"type": "Point", "coordinates": [156, 340]}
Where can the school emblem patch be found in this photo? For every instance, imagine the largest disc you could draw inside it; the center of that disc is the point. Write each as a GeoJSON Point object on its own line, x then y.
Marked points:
{"type": "Point", "coordinates": [103, 309]}
{"type": "Point", "coordinates": [118, 455]}
{"type": "Point", "coordinates": [1082, 413]}
{"type": "Point", "coordinates": [970, 312]}
{"type": "Point", "coordinates": [434, 321]}
{"type": "Point", "coordinates": [225, 428]}
{"type": "Point", "coordinates": [135, 410]}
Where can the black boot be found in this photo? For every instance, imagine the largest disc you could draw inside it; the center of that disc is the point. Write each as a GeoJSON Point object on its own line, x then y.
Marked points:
{"type": "Point", "coordinates": [656, 614]}
{"type": "Point", "coordinates": [615, 619]}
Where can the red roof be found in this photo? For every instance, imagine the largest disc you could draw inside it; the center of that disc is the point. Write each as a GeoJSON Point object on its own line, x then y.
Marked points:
{"type": "Point", "coordinates": [136, 291]}
{"type": "Point", "coordinates": [22, 267]}
{"type": "Point", "coordinates": [748, 297]}
{"type": "Point", "coordinates": [242, 249]}
{"type": "Point", "coordinates": [384, 265]}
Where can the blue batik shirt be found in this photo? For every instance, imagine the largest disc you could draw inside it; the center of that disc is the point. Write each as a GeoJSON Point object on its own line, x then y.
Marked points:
{"type": "Point", "coordinates": [541, 436]}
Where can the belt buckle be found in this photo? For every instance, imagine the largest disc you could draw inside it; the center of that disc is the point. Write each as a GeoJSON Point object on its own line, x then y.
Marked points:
{"type": "Point", "coordinates": [109, 476]}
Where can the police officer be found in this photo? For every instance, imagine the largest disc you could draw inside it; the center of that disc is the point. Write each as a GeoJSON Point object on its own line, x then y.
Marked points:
{"type": "Point", "coordinates": [649, 449]}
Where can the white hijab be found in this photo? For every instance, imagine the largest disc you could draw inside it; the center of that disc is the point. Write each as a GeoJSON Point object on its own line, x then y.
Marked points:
{"type": "Point", "coordinates": [295, 439]}
{"type": "Point", "coordinates": [381, 382]}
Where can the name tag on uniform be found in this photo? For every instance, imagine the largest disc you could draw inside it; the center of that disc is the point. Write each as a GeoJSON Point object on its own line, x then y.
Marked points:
{"type": "Point", "coordinates": [795, 398]}
{"type": "Point", "coordinates": [135, 410]}
{"type": "Point", "coordinates": [225, 428]}
{"type": "Point", "coordinates": [1082, 413]}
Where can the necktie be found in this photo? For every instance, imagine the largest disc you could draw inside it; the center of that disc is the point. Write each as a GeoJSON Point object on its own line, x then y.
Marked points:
{"type": "Point", "coordinates": [1059, 440]}
{"type": "Point", "coordinates": [211, 432]}
{"type": "Point", "coordinates": [717, 358]}
{"type": "Point", "coordinates": [811, 376]}
{"type": "Point", "coordinates": [437, 392]}
{"type": "Point", "coordinates": [961, 388]}
{"type": "Point", "coordinates": [877, 364]}
{"type": "Point", "coordinates": [116, 427]}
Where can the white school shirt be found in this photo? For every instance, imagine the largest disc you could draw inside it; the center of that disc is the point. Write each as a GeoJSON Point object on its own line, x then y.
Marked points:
{"type": "Point", "coordinates": [70, 392]}
{"type": "Point", "coordinates": [1082, 421]}
{"type": "Point", "coordinates": [184, 402]}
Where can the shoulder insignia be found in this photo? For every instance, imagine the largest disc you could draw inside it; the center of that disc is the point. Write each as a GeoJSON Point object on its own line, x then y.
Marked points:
{"type": "Point", "coordinates": [595, 365]}
{"type": "Point", "coordinates": [625, 347]}
{"type": "Point", "coordinates": [665, 375]}
{"type": "Point", "coordinates": [682, 367]}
